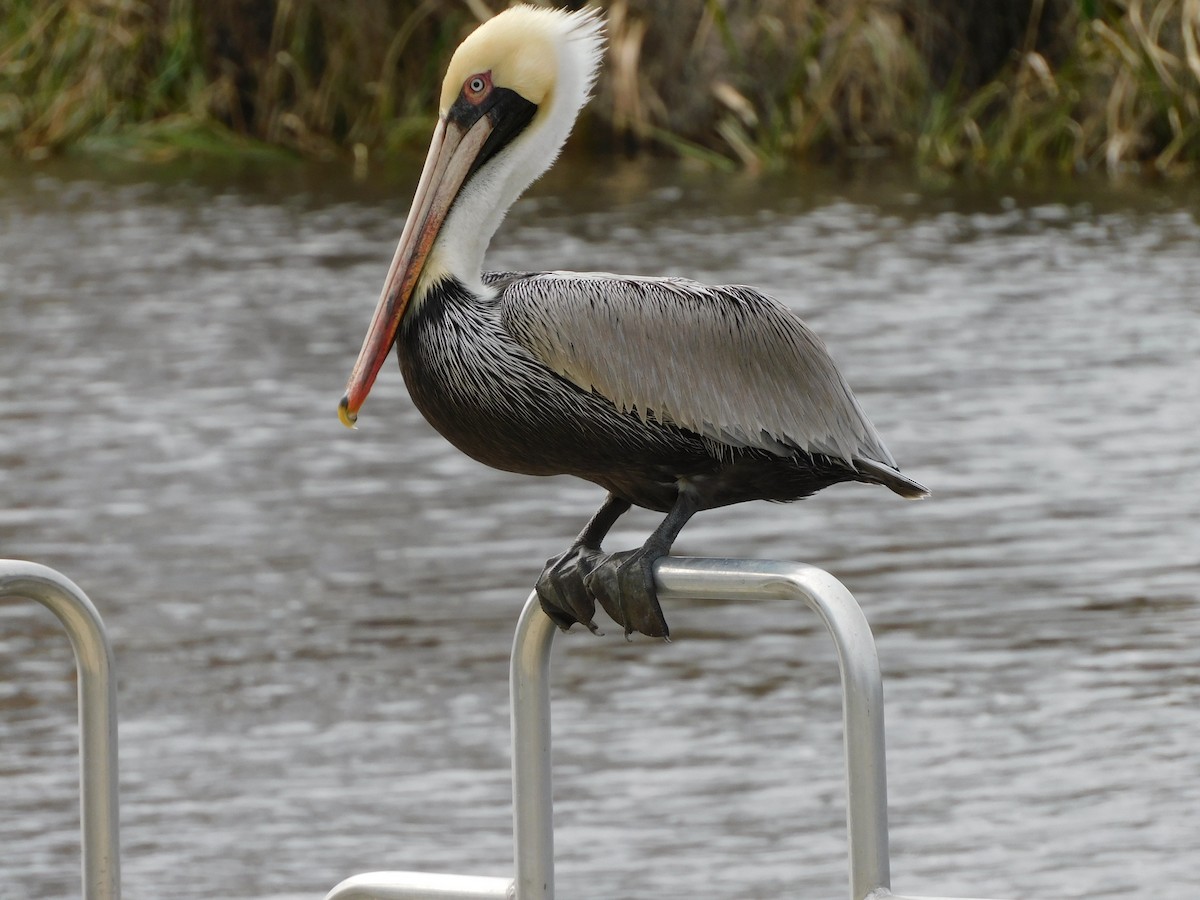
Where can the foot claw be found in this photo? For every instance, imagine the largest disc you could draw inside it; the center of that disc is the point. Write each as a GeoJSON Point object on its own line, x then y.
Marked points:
{"type": "Point", "coordinates": [623, 584]}
{"type": "Point", "coordinates": [560, 588]}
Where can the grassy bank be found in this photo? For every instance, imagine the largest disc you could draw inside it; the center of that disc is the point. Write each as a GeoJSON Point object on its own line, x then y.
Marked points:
{"type": "Point", "coordinates": [957, 85]}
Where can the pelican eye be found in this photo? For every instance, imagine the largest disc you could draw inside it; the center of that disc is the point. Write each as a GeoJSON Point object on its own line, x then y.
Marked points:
{"type": "Point", "coordinates": [476, 87]}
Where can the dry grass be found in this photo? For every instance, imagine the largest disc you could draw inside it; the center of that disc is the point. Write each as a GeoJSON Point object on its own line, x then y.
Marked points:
{"type": "Point", "coordinates": [1126, 98]}
{"type": "Point", "coordinates": [954, 84]}
{"type": "Point", "coordinates": [1119, 89]}
{"type": "Point", "coordinates": [304, 75]}
{"type": "Point", "coordinates": [1147, 61]}
{"type": "Point", "coordinates": [761, 81]}
{"type": "Point", "coordinates": [70, 69]}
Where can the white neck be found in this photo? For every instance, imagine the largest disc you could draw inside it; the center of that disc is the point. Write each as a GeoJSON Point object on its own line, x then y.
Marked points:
{"type": "Point", "coordinates": [487, 196]}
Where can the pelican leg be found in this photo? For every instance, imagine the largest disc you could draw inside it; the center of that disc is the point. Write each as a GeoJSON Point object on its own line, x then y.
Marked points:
{"type": "Point", "coordinates": [560, 587]}
{"type": "Point", "coordinates": [623, 582]}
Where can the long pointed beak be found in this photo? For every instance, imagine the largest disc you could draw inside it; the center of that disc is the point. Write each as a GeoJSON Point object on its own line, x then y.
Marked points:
{"type": "Point", "coordinates": [452, 153]}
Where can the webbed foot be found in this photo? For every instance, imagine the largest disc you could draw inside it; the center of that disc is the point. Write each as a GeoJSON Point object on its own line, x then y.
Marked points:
{"type": "Point", "coordinates": [623, 583]}
{"type": "Point", "coordinates": [561, 589]}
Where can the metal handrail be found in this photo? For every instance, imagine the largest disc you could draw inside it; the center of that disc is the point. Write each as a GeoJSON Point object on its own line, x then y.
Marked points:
{"type": "Point", "coordinates": [862, 685]}
{"type": "Point", "coordinates": [678, 578]}
{"type": "Point", "coordinates": [529, 685]}
{"type": "Point", "coordinates": [99, 818]}
{"type": "Point", "coordinates": [533, 809]}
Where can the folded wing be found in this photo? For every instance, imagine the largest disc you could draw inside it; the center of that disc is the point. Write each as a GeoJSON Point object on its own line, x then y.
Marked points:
{"type": "Point", "coordinates": [726, 362]}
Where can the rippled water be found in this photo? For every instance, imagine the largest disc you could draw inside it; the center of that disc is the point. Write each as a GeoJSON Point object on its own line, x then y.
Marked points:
{"type": "Point", "coordinates": [312, 625]}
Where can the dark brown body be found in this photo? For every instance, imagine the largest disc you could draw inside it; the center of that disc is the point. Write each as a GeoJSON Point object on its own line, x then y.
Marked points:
{"type": "Point", "coordinates": [493, 400]}
{"type": "Point", "coordinates": [671, 394]}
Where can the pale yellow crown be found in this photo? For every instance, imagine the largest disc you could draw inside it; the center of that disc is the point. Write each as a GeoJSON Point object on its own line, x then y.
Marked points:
{"type": "Point", "coordinates": [520, 47]}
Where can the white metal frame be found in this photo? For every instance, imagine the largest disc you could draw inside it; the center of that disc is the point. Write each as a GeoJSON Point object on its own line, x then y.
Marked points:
{"type": "Point", "coordinates": [101, 844]}
{"type": "Point", "coordinates": [529, 685]}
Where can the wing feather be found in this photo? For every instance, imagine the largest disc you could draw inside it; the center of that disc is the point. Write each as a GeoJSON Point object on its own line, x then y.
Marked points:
{"type": "Point", "coordinates": [726, 362]}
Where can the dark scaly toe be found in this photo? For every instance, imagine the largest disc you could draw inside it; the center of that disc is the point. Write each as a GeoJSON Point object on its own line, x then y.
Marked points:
{"type": "Point", "coordinates": [561, 590]}
{"type": "Point", "coordinates": [562, 620]}
{"type": "Point", "coordinates": [602, 585]}
{"type": "Point", "coordinates": [623, 583]}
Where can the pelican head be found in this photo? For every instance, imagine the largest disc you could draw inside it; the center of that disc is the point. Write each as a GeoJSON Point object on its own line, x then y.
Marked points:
{"type": "Point", "coordinates": [511, 94]}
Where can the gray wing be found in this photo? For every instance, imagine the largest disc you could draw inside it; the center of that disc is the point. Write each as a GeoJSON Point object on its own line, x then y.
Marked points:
{"type": "Point", "coordinates": [728, 363]}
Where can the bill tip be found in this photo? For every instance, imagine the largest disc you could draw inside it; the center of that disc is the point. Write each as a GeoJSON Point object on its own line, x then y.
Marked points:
{"type": "Point", "coordinates": [346, 417]}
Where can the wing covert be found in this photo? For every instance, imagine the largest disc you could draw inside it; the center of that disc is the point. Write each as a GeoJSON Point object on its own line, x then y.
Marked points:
{"type": "Point", "coordinates": [726, 362]}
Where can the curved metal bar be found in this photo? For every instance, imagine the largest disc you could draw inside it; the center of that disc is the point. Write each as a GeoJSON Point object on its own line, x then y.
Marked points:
{"type": "Point", "coordinates": [421, 886]}
{"type": "Point", "coordinates": [862, 684]}
{"type": "Point", "coordinates": [867, 786]}
{"type": "Point", "coordinates": [533, 811]}
{"type": "Point", "coordinates": [97, 716]}
{"type": "Point", "coordinates": [533, 804]}
{"type": "Point", "coordinates": [714, 579]}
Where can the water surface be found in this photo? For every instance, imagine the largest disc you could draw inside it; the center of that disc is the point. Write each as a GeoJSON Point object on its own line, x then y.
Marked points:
{"type": "Point", "coordinates": [312, 625]}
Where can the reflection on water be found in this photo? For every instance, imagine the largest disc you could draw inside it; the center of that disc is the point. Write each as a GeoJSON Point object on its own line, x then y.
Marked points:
{"type": "Point", "coordinates": [312, 625]}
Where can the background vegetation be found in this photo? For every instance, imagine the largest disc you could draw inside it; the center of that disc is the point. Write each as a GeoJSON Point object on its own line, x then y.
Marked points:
{"type": "Point", "coordinates": [981, 85]}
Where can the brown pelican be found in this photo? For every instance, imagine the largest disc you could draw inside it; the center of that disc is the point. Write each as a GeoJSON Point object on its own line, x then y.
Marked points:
{"type": "Point", "coordinates": [672, 395]}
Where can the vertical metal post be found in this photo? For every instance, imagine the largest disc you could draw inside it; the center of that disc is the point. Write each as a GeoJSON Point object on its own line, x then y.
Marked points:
{"type": "Point", "coordinates": [714, 579]}
{"type": "Point", "coordinates": [529, 685]}
{"type": "Point", "coordinates": [97, 717]}
{"type": "Point", "coordinates": [862, 684]}
{"type": "Point", "coordinates": [533, 805]}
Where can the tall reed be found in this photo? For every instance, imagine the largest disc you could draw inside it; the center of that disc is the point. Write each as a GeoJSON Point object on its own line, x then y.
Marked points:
{"type": "Point", "coordinates": [985, 85]}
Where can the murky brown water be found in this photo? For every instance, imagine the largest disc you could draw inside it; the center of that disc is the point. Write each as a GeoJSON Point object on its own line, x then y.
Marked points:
{"type": "Point", "coordinates": [312, 626]}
